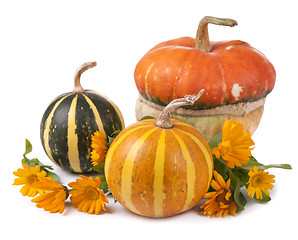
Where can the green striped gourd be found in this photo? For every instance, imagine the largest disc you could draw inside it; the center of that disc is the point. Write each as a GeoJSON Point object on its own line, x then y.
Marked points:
{"type": "Point", "coordinates": [70, 121]}
{"type": "Point", "coordinates": [159, 167]}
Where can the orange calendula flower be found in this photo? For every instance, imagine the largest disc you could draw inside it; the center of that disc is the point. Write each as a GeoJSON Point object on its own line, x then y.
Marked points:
{"type": "Point", "coordinates": [53, 200]}
{"type": "Point", "coordinates": [99, 148]}
{"type": "Point", "coordinates": [27, 176]}
{"type": "Point", "coordinates": [259, 181]}
{"type": "Point", "coordinates": [87, 196]}
{"type": "Point", "coordinates": [220, 202]}
{"type": "Point", "coordinates": [236, 145]}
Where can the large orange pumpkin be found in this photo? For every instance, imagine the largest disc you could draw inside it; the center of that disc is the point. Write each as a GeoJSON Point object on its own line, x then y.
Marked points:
{"type": "Point", "coordinates": [159, 168]}
{"type": "Point", "coordinates": [231, 72]}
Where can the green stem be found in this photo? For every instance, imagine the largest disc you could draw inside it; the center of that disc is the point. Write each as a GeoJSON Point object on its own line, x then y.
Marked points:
{"type": "Point", "coordinates": [67, 190]}
{"type": "Point", "coordinates": [283, 166]}
{"type": "Point", "coordinates": [264, 167]}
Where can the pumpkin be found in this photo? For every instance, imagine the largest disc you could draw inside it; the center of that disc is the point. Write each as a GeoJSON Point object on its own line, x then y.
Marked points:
{"type": "Point", "coordinates": [236, 78]}
{"type": "Point", "coordinates": [70, 121]}
{"type": "Point", "coordinates": [159, 167]}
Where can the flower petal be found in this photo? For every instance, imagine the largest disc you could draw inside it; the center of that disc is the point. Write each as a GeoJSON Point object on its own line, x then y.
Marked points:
{"type": "Point", "coordinates": [219, 179]}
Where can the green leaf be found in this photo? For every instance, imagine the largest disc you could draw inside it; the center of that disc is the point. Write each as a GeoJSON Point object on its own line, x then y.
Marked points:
{"type": "Point", "coordinates": [46, 166]}
{"type": "Point", "coordinates": [283, 166]}
{"type": "Point", "coordinates": [114, 134]}
{"type": "Point", "coordinates": [239, 199]}
{"type": "Point", "coordinates": [265, 198]}
{"type": "Point", "coordinates": [110, 140]}
{"type": "Point", "coordinates": [26, 161]}
{"type": "Point", "coordinates": [221, 167]}
{"type": "Point", "coordinates": [104, 185]}
{"type": "Point", "coordinates": [28, 148]}
{"type": "Point", "coordinates": [112, 137]}
{"type": "Point", "coordinates": [53, 175]}
{"type": "Point", "coordinates": [35, 162]}
{"type": "Point", "coordinates": [99, 168]}
{"type": "Point", "coordinates": [146, 117]}
{"type": "Point", "coordinates": [234, 180]}
{"type": "Point", "coordinates": [215, 141]}
{"type": "Point", "coordinates": [253, 162]}
{"type": "Point", "coordinates": [241, 175]}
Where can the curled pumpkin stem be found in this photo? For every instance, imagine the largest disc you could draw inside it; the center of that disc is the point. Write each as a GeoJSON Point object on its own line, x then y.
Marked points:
{"type": "Point", "coordinates": [202, 38]}
{"type": "Point", "coordinates": [164, 118]}
{"type": "Point", "coordinates": [77, 78]}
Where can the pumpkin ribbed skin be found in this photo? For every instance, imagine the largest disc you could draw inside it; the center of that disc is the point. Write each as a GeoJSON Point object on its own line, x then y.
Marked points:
{"type": "Point", "coordinates": [158, 172]}
{"type": "Point", "coordinates": [231, 72]}
{"type": "Point", "coordinates": [68, 124]}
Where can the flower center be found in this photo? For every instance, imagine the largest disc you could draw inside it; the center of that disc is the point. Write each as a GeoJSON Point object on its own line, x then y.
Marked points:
{"type": "Point", "coordinates": [256, 181]}
{"type": "Point", "coordinates": [225, 148]}
{"type": "Point", "coordinates": [91, 193]}
{"type": "Point", "coordinates": [225, 198]}
{"type": "Point", "coordinates": [32, 179]}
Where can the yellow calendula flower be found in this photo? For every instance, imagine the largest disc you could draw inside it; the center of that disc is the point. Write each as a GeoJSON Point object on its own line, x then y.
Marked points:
{"type": "Point", "coordinates": [220, 202]}
{"type": "Point", "coordinates": [99, 148]}
{"type": "Point", "coordinates": [27, 176]}
{"type": "Point", "coordinates": [259, 181]}
{"type": "Point", "coordinates": [87, 196]}
{"type": "Point", "coordinates": [53, 200]}
{"type": "Point", "coordinates": [236, 145]}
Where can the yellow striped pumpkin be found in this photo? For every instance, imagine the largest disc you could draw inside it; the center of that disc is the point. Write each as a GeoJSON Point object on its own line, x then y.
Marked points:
{"type": "Point", "coordinates": [159, 171]}
{"type": "Point", "coordinates": [70, 121]}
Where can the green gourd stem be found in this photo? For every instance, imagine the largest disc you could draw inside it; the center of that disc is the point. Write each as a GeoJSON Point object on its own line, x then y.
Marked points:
{"type": "Point", "coordinates": [77, 78]}
{"type": "Point", "coordinates": [164, 119]}
{"type": "Point", "coordinates": [202, 38]}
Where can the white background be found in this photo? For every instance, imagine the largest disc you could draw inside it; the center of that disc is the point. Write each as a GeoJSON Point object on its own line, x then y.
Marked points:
{"type": "Point", "coordinates": [42, 43]}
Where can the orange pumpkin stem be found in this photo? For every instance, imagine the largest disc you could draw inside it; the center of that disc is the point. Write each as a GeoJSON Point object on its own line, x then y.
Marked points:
{"type": "Point", "coordinates": [202, 38]}
{"type": "Point", "coordinates": [77, 78]}
{"type": "Point", "coordinates": [164, 119]}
